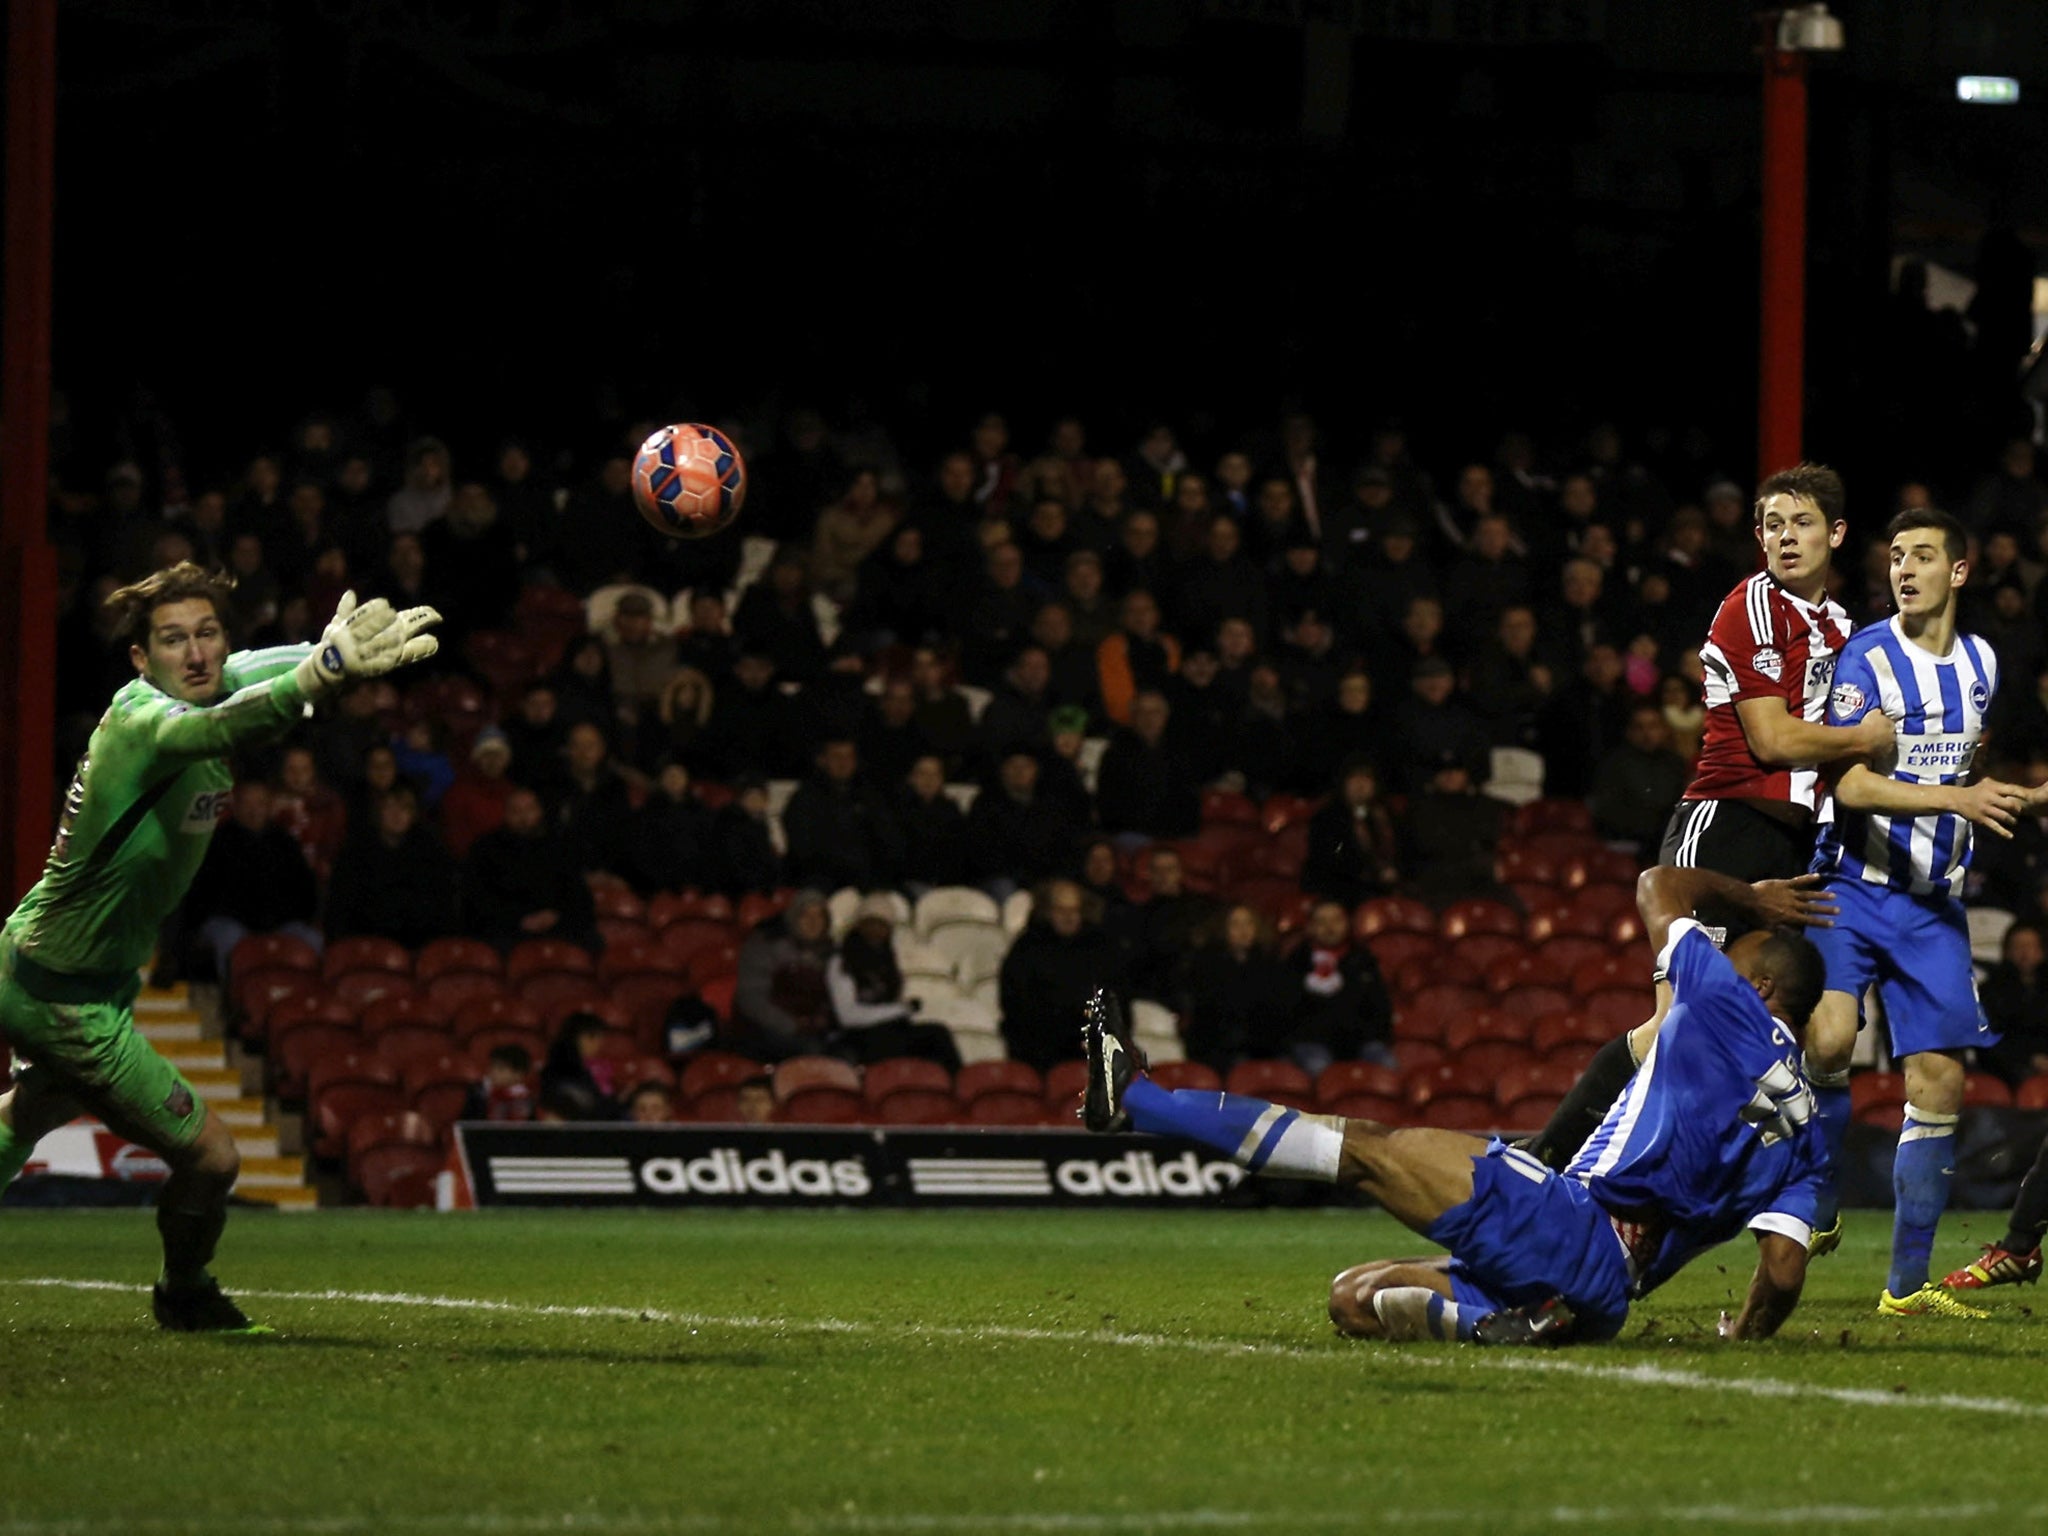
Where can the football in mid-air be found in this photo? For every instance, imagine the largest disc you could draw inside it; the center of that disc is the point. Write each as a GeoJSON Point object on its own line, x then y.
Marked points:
{"type": "Point", "coordinates": [689, 480]}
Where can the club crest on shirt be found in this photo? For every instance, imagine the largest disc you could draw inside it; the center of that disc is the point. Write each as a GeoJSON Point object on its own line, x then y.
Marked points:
{"type": "Point", "coordinates": [1847, 699]}
{"type": "Point", "coordinates": [1768, 661]}
{"type": "Point", "coordinates": [1980, 696]}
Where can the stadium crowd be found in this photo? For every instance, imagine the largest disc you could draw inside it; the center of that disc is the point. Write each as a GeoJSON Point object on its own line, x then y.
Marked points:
{"type": "Point", "coordinates": [1052, 672]}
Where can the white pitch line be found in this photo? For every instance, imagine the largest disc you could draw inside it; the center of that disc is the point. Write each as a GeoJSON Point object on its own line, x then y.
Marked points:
{"type": "Point", "coordinates": [1644, 1375]}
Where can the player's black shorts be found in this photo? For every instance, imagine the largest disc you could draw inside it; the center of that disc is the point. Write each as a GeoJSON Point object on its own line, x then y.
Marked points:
{"type": "Point", "coordinates": [1735, 839]}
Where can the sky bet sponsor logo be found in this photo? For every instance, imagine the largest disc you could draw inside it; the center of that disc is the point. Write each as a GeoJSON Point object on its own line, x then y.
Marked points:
{"type": "Point", "coordinates": [723, 1171]}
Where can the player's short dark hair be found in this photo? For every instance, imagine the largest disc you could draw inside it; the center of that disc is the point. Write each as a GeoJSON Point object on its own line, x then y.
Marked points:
{"type": "Point", "coordinates": [1955, 538]}
{"type": "Point", "coordinates": [179, 583]}
{"type": "Point", "coordinates": [1798, 974]}
{"type": "Point", "coordinates": [1813, 482]}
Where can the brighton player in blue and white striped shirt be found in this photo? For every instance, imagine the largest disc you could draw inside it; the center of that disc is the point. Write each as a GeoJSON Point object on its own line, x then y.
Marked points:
{"type": "Point", "coordinates": [1894, 853]}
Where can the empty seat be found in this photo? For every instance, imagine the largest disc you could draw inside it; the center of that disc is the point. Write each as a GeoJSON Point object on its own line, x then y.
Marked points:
{"type": "Point", "coordinates": [1477, 953]}
{"type": "Point", "coordinates": [454, 989]}
{"type": "Point", "coordinates": [1394, 948]}
{"type": "Point", "coordinates": [717, 1069]}
{"type": "Point", "coordinates": [997, 1077]}
{"type": "Point", "coordinates": [357, 989]}
{"type": "Point", "coordinates": [1479, 914]}
{"type": "Point", "coordinates": [1461, 1112]}
{"type": "Point", "coordinates": [439, 957]}
{"type": "Point", "coordinates": [1396, 913]}
{"type": "Point", "coordinates": [1186, 1074]}
{"type": "Point", "coordinates": [1622, 1008]}
{"type": "Point", "coordinates": [365, 953]}
{"type": "Point", "coordinates": [901, 1074]}
{"type": "Point", "coordinates": [954, 904]}
{"type": "Point", "coordinates": [801, 1072]}
{"type": "Point", "coordinates": [1384, 1108]}
{"type": "Point", "coordinates": [1345, 1079]}
{"type": "Point", "coordinates": [915, 1106]}
{"type": "Point", "coordinates": [495, 1011]}
{"type": "Point", "coordinates": [272, 951]}
{"type": "Point", "coordinates": [975, 949]}
{"type": "Point", "coordinates": [1281, 1081]}
{"type": "Point", "coordinates": [1004, 1107]}
{"type": "Point", "coordinates": [542, 957]}
{"type": "Point", "coordinates": [1524, 968]}
{"type": "Point", "coordinates": [820, 1106]}
{"type": "Point", "coordinates": [383, 1013]}
{"type": "Point", "coordinates": [639, 958]}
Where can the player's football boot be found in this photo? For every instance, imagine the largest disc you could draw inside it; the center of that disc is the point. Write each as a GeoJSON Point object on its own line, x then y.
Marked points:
{"type": "Point", "coordinates": [1112, 1058]}
{"type": "Point", "coordinates": [1996, 1266]}
{"type": "Point", "coordinates": [1544, 1324]}
{"type": "Point", "coordinates": [1929, 1301]}
{"type": "Point", "coordinates": [197, 1309]}
{"type": "Point", "coordinates": [1823, 1243]}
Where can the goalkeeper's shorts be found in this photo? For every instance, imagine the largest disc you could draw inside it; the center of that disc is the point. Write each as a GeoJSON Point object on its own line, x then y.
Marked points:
{"type": "Point", "coordinates": [75, 1041]}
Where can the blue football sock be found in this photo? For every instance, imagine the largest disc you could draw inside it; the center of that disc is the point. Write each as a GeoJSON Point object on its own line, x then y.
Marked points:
{"type": "Point", "coordinates": [1266, 1138]}
{"type": "Point", "coordinates": [1831, 1115]}
{"type": "Point", "coordinates": [1922, 1171]}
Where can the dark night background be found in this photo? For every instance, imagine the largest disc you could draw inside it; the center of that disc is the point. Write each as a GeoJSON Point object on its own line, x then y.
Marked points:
{"type": "Point", "coordinates": [1472, 213]}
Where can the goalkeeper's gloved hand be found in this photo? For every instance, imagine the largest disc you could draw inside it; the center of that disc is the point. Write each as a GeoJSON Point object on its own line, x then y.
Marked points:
{"type": "Point", "coordinates": [367, 641]}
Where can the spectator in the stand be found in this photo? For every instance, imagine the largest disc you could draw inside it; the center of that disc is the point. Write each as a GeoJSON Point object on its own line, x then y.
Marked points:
{"type": "Point", "coordinates": [1184, 518]}
{"type": "Point", "coordinates": [1379, 587]}
{"type": "Point", "coordinates": [1488, 578]}
{"type": "Point", "coordinates": [1506, 684]}
{"type": "Point", "coordinates": [518, 882]}
{"type": "Point", "coordinates": [475, 802]}
{"type": "Point", "coordinates": [1237, 651]}
{"type": "Point", "coordinates": [1275, 523]}
{"type": "Point", "coordinates": [1058, 961]}
{"type": "Point", "coordinates": [1016, 713]}
{"type": "Point", "coordinates": [1109, 492]}
{"type": "Point", "coordinates": [2015, 999]}
{"type": "Point", "coordinates": [1155, 467]}
{"type": "Point", "coordinates": [839, 830]}
{"type": "Point", "coordinates": [1341, 1009]}
{"type": "Point", "coordinates": [394, 878]}
{"type": "Point", "coordinates": [1167, 926]}
{"type": "Point", "coordinates": [1638, 783]}
{"type": "Point", "coordinates": [594, 805]}
{"type": "Point", "coordinates": [583, 684]}
{"type": "Point", "coordinates": [254, 601]}
{"type": "Point", "coordinates": [344, 738]}
{"type": "Point", "coordinates": [1583, 723]}
{"type": "Point", "coordinates": [1678, 699]}
{"type": "Point", "coordinates": [1261, 742]}
{"type": "Point", "coordinates": [305, 807]}
{"type": "Point", "coordinates": [775, 619]}
{"type": "Point", "coordinates": [943, 716]}
{"type": "Point", "coordinates": [1308, 662]}
{"type": "Point", "coordinates": [1060, 779]}
{"type": "Point", "coordinates": [682, 722]}
{"type": "Point", "coordinates": [1220, 584]}
{"type": "Point", "coordinates": [475, 567]}
{"type": "Point", "coordinates": [847, 532]}
{"type": "Point", "coordinates": [754, 727]}
{"type": "Point", "coordinates": [378, 773]}
{"type": "Point", "coordinates": [900, 593]}
{"type": "Point", "coordinates": [948, 516]}
{"type": "Point", "coordinates": [744, 855]}
{"type": "Point", "coordinates": [1089, 609]}
{"type": "Point", "coordinates": [1301, 582]}
{"type": "Point", "coordinates": [257, 504]}
{"type": "Point", "coordinates": [1138, 560]}
{"type": "Point", "coordinates": [875, 1020]}
{"type": "Point", "coordinates": [1139, 656]}
{"type": "Point", "coordinates": [649, 1104]}
{"type": "Point", "coordinates": [889, 740]}
{"type": "Point", "coordinates": [1202, 713]}
{"type": "Point", "coordinates": [1419, 637]}
{"type": "Point", "coordinates": [933, 829]}
{"type": "Point", "coordinates": [576, 1079]}
{"type": "Point", "coordinates": [425, 494]}
{"type": "Point", "coordinates": [537, 733]}
{"type": "Point", "coordinates": [255, 879]}
{"type": "Point", "coordinates": [639, 661]}
{"type": "Point", "coordinates": [1239, 996]}
{"type": "Point", "coordinates": [800, 471]}
{"type": "Point", "coordinates": [995, 467]}
{"type": "Point", "coordinates": [781, 1005]}
{"type": "Point", "coordinates": [1015, 835]}
{"type": "Point", "coordinates": [708, 644]}
{"type": "Point", "coordinates": [2011, 498]}
{"type": "Point", "coordinates": [1449, 835]}
{"type": "Point", "coordinates": [2010, 626]}
{"type": "Point", "coordinates": [502, 1093]}
{"type": "Point", "coordinates": [1582, 621]}
{"type": "Point", "coordinates": [999, 616]}
{"type": "Point", "coordinates": [405, 572]}
{"type": "Point", "coordinates": [1352, 854]}
{"type": "Point", "coordinates": [1072, 677]}
{"type": "Point", "coordinates": [421, 751]}
{"type": "Point", "coordinates": [1099, 881]}
{"type": "Point", "coordinates": [1045, 540]}
{"type": "Point", "coordinates": [668, 840]}
{"type": "Point", "coordinates": [1431, 724]}
{"type": "Point", "coordinates": [526, 505]}
{"type": "Point", "coordinates": [1348, 729]}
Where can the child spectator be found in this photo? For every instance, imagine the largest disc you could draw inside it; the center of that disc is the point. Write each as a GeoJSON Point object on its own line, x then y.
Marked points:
{"type": "Point", "coordinates": [650, 1104]}
{"type": "Point", "coordinates": [576, 1077]}
{"type": "Point", "coordinates": [503, 1093]}
{"type": "Point", "coordinates": [755, 1101]}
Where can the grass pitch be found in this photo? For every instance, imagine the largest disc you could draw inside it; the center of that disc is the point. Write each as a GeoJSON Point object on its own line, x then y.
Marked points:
{"type": "Point", "coordinates": [787, 1371]}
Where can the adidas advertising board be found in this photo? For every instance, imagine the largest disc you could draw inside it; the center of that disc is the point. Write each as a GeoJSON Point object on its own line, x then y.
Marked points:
{"type": "Point", "coordinates": [752, 1165]}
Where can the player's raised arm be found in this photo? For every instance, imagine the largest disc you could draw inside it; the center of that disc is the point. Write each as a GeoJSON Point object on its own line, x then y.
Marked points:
{"type": "Point", "coordinates": [1780, 739]}
{"type": "Point", "coordinates": [1773, 1290]}
{"type": "Point", "coordinates": [1988, 803]}
{"type": "Point", "coordinates": [1667, 893]}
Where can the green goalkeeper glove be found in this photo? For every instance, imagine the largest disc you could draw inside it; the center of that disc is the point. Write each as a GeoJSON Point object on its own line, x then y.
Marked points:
{"type": "Point", "coordinates": [367, 641]}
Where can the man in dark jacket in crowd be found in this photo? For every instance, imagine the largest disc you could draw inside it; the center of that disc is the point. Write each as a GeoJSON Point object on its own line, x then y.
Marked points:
{"type": "Point", "coordinates": [743, 852]}
{"type": "Point", "coordinates": [668, 842]}
{"type": "Point", "coordinates": [1449, 834]}
{"type": "Point", "coordinates": [518, 882]}
{"type": "Point", "coordinates": [840, 831]}
{"type": "Point", "coordinates": [753, 727]}
{"type": "Point", "coordinates": [934, 829]}
{"type": "Point", "coordinates": [1639, 781]}
{"type": "Point", "coordinates": [1056, 963]}
{"type": "Point", "coordinates": [594, 806]}
{"type": "Point", "coordinates": [395, 879]}
{"type": "Point", "coordinates": [1343, 1012]}
{"type": "Point", "coordinates": [780, 1005]}
{"type": "Point", "coordinates": [1167, 927]}
{"type": "Point", "coordinates": [1016, 836]}
{"type": "Point", "coordinates": [255, 880]}
{"type": "Point", "coordinates": [1143, 785]}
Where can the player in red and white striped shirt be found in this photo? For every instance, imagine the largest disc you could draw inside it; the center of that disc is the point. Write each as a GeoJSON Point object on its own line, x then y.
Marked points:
{"type": "Point", "coordinates": [1749, 812]}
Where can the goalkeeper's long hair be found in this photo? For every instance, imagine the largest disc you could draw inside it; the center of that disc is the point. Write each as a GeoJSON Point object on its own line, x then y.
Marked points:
{"type": "Point", "coordinates": [173, 584]}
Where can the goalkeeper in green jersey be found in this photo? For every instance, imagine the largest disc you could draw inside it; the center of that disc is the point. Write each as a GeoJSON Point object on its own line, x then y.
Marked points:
{"type": "Point", "coordinates": [138, 816]}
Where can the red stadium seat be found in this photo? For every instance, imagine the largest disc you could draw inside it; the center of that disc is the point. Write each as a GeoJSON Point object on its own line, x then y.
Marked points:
{"type": "Point", "coordinates": [508, 661]}
{"type": "Point", "coordinates": [1384, 913]}
{"type": "Point", "coordinates": [346, 1067]}
{"type": "Point", "coordinates": [2032, 1094]}
{"type": "Point", "coordinates": [618, 901]}
{"type": "Point", "coordinates": [1412, 1055]}
{"type": "Point", "coordinates": [336, 1108]}
{"type": "Point", "coordinates": [443, 957]}
{"type": "Point", "coordinates": [404, 1129]}
{"type": "Point", "coordinates": [545, 957]}
{"type": "Point", "coordinates": [1983, 1091]}
{"type": "Point", "coordinates": [684, 937]}
{"type": "Point", "coordinates": [1281, 1081]}
{"type": "Point", "coordinates": [1347, 1079]}
{"type": "Point", "coordinates": [1606, 970]}
{"type": "Point", "coordinates": [1477, 953]}
{"type": "Point", "coordinates": [915, 1106]}
{"type": "Point", "coordinates": [1532, 1003]}
{"type": "Point", "coordinates": [1524, 865]}
{"type": "Point", "coordinates": [623, 930]}
{"type": "Point", "coordinates": [617, 1022]}
{"type": "Point", "coordinates": [358, 989]}
{"type": "Point", "coordinates": [1524, 968]}
{"type": "Point", "coordinates": [1622, 1008]}
{"type": "Point", "coordinates": [713, 1106]}
{"type": "Point", "coordinates": [1569, 951]}
{"type": "Point", "coordinates": [1886, 1117]}
{"type": "Point", "coordinates": [486, 1040]}
{"type": "Point", "coordinates": [1554, 816]}
{"type": "Point", "coordinates": [1563, 920]}
{"type": "Point", "coordinates": [403, 1044]}
{"type": "Point", "coordinates": [271, 952]}
{"type": "Point", "coordinates": [365, 953]}
{"type": "Point", "coordinates": [547, 991]}
{"type": "Point", "coordinates": [1461, 1112]}
{"type": "Point", "coordinates": [631, 1073]}
{"type": "Point", "coordinates": [1002, 1106]}
{"type": "Point", "coordinates": [1870, 1088]}
{"type": "Point", "coordinates": [1608, 901]}
{"type": "Point", "coordinates": [1483, 1024]}
{"type": "Point", "coordinates": [1063, 1086]}
{"type": "Point", "coordinates": [1533, 1078]}
{"type": "Point", "coordinates": [1394, 948]}
{"type": "Point", "coordinates": [1575, 1054]}
{"type": "Point", "coordinates": [1569, 849]}
{"type": "Point", "coordinates": [820, 1106]}
{"type": "Point", "coordinates": [718, 995]}
{"type": "Point", "coordinates": [714, 962]}
{"type": "Point", "coordinates": [1568, 1027]}
{"type": "Point", "coordinates": [1530, 1112]}
{"type": "Point", "coordinates": [1224, 806]}
{"type": "Point", "coordinates": [1479, 914]}
{"type": "Point", "coordinates": [1384, 1108]}
{"type": "Point", "coordinates": [1282, 853]}
{"type": "Point", "coordinates": [755, 909]}
{"type": "Point", "coordinates": [453, 990]}
{"type": "Point", "coordinates": [980, 1077]}
{"type": "Point", "coordinates": [901, 1074]}
{"type": "Point", "coordinates": [1284, 810]}
{"type": "Point", "coordinates": [1446, 1077]}
{"type": "Point", "coordinates": [1171, 1075]}
{"type": "Point", "coordinates": [1429, 1011]}
{"type": "Point", "coordinates": [399, 1177]}
{"type": "Point", "coordinates": [495, 1011]}
{"type": "Point", "coordinates": [1279, 901]}
{"type": "Point", "coordinates": [646, 999]}
{"type": "Point", "coordinates": [296, 1051]}
{"type": "Point", "coordinates": [1542, 904]}
{"type": "Point", "coordinates": [717, 1069]}
{"type": "Point", "coordinates": [801, 1072]}
{"type": "Point", "coordinates": [671, 906]}
{"type": "Point", "coordinates": [257, 993]}
{"type": "Point", "coordinates": [639, 957]}
{"type": "Point", "coordinates": [401, 1008]}
{"type": "Point", "coordinates": [1494, 1056]}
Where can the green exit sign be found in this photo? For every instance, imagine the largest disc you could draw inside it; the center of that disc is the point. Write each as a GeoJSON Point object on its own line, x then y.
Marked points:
{"type": "Point", "coordinates": [1988, 90]}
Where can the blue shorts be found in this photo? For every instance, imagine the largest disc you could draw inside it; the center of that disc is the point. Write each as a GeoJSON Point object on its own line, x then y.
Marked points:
{"type": "Point", "coordinates": [1528, 1234]}
{"type": "Point", "coordinates": [1917, 950]}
